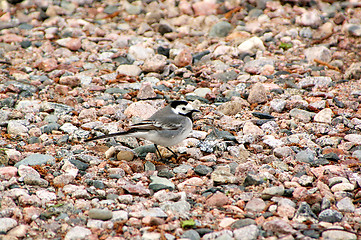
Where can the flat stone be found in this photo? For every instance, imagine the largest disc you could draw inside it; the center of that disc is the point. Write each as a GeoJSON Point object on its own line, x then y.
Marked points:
{"type": "Point", "coordinates": [159, 183]}
{"type": "Point", "coordinates": [6, 224]}
{"type": "Point", "coordinates": [100, 214]}
{"type": "Point", "coordinates": [250, 232]}
{"type": "Point", "coordinates": [77, 233]}
{"type": "Point", "coordinates": [36, 159]}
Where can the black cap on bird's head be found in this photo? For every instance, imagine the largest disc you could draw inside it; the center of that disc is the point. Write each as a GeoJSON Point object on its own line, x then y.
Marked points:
{"type": "Point", "coordinates": [183, 108]}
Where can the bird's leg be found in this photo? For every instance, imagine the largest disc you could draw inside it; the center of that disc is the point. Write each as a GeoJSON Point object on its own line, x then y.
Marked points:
{"type": "Point", "coordinates": [174, 154]}
{"type": "Point", "coordinates": [156, 147]}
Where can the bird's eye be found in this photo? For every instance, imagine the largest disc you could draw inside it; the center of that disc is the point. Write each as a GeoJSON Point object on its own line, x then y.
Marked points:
{"type": "Point", "coordinates": [183, 108]}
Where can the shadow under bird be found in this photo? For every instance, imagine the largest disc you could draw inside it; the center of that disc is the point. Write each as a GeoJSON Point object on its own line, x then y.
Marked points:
{"type": "Point", "coordinates": [166, 127]}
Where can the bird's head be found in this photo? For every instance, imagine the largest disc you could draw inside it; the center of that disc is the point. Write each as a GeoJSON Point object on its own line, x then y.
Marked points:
{"type": "Point", "coordinates": [183, 108]}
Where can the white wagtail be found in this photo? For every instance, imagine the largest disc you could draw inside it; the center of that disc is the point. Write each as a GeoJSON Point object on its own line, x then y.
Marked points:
{"type": "Point", "coordinates": [167, 127]}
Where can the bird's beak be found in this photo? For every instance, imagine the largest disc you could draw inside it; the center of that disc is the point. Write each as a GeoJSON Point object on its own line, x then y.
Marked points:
{"type": "Point", "coordinates": [195, 110]}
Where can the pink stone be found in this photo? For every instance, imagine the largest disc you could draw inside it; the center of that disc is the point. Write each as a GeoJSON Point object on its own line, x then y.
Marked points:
{"type": "Point", "coordinates": [218, 200]}
{"type": "Point", "coordinates": [184, 58]}
{"type": "Point", "coordinates": [300, 192]}
{"type": "Point", "coordinates": [62, 90]}
{"type": "Point", "coordinates": [152, 221]}
{"type": "Point", "coordinates": [70, 43]}
{"type": "Point", "coordinates": [10, 38]}
{"type": "Point", "coordinates": [185, 7]}
{"type": "Point", "coordinates": [146, 91]}
{"type": "Point", "coordinates": [206, 7]}
{"type": "Point", "coordinates": [71, 81]}
{"type": "Point", "coordinates": [190, 185]}
{"type": "Point", "coordinates": [286, 211]}
{"type": "Point", "coordinates": [278, 226]}
{"type": "Point", "coordinates": [27, 170]}
{"type": "Point", "coordinates": [48, 65]}
{"type": "Point", "coordinates": [88, 114]}
{"type": "Point", "coordinates": [140, 109]}
{"type": "Point", "coordinates": [8, 172]}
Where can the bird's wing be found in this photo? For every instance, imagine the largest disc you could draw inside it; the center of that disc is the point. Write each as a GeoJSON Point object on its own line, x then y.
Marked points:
{"type": "Point", "coordinates": [154, 125]}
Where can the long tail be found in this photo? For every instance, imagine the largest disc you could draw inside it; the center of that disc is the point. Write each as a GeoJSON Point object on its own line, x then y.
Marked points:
{"type": "Point", "coordinates": [106, 136]}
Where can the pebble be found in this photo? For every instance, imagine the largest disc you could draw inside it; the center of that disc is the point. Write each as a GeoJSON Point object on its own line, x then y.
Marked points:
{"type": "Point", "coordinates": [250, 232]}
{"type": "Point", "coordinates": [220, 29]}
{"type": "Point", "coordinates": [255, 205]}
{"type": "Point", "coordinates": [345, 205]}
{"type": "Point", "coordinates": [154, 212]}
{"type": "Point", "coordinates": [36, 159]}
{"type": "Point", "coordinates": [129, 70]}
{"type": "Point", "coordinates": [331, 216]}
{"type": "Point", "coordinates": [336, 235]}
{"type": "Point", "coordinates": [77, 232]}
{"type": "Point", "coordinates": [100, 214]}
{"type": "Point", "coordinates": [304, 214]}
{"type": "Point", "coordinates": [8, 172]}
{"type": "Point", "coordinates": [218, 200]}
{"type": "Point", "coordinates": [222, 174]}
{"type": "Point", "coordinates": [16, 128]}
{"type": "Point", "coordinates": [302, 115]}
{"type": "Point", "coordinates": [6, 224]}
{"type": "Point", "coordinates": [354, 71]}
{"type": "Point", "coordinates": [324, 116]}
{"type": "Point", "coordinates": [320, 53]}
{"type": "Point", "coordinates": [202, 170]}
{"type": "Point", "coordinates": [155, 63]}
{"type": "Point", "coordinates": [191, 234]}
{"type": "Point", "coordinates": [184, 58]}
{"type": "Point", "coordinates": [159, 183]}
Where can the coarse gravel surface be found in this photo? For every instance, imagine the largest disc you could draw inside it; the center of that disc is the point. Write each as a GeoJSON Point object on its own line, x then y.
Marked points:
{"type": "Point", "coordinates": [275, 150]}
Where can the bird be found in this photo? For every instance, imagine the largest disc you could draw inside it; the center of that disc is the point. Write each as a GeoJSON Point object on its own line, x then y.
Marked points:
{"type": "Point", "coordinates": [166, 127]}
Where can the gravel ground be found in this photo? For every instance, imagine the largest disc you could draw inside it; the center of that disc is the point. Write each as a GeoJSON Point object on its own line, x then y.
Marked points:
{"type": "Point", "coordinates": [275, 151]}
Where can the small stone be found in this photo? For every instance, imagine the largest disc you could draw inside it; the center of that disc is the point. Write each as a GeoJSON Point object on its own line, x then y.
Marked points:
{"type": "Point", "coordinates": [184, 58]}
{"type": "Point", "coordinates": [180, 208]}
{"type": "Point", "coordinates": [338, 235]}
{"type": "Point", "coordinates": [251, 45]}
{"type": "Point", "coordinates": [353, 29]}
{"type": "Point", "coordinates": [125, 155]}
{"type": "Point", "coordinates": [36, 159]}
{"type": "Point", "coordinates": [35, 180]}
{"type": "Point", "coordinates": [146, 91]}
{"type": "Point", "coordinates": [19, 231]}
{"type": "Point", "coordinates": [48, 65]}
{"type": "Point", "coordinates": [346, 205]}
{"type": "Point", "coordinates": [305, 156]}
{"type": "Point", "coordinates": [278, 226]}
{"type": "Point", "coordinates": [16, 128]}
{"type": "Point", "coordinates": [202, 170]}
{"type": "Point", "coordinates": [152, 221]}
{"type": "Point", "coordinates": [330, 215]}
{"type": "Point", "coordinates": [250, 232]}
{"type": "Point", "coordinates": [252, 129]}
{"type": "Point", "coordinates": [140, 109]}
{"type": "Point", "coordinates": [320, 53]}
{"type": "Point", "coordinates": [77, 233]}
{"type": "Point", "coordinates": [6, 224]}
{"type": "Point", "coordinates": [354, 71]}
{"type": "Point", "coordinates": [205, 7]}
{"type": "Point", "coordinates": [202, 92]}
{"type": "Point", "coordinates": [278, 105]}
{"type": "Point", "coordinates": [324, 116]}
{"type": "Point", "coordinates": [283, 152]}
{"type": "Point", "coordinates": [343, 187]}
{"type": "Point", "coordinates": [255, 205]}
{"type": "Point", "coordinates": [274, 191]}
{"type": "Point", "coordinates": [159, 183]}
{"type": "Point", "coordinates": [156, 63]}
{"type": "Point", "coordinates": [233, 107]}
{"type": "Point", "coordinates": [243, 223]}
{"type": "Point", "coordinates": [119, 216]}
{"type": "Point", "coordinates": [71, 81]}
{"type": "Point", "coordinates": [310, 18]}
{"type": "Point", "coordinates": [304, 214]}
{"type": "Point", "coordinates": [100, 214]}
{"type": "Point", "coordinates": [302, 115]}
{"type": "Point", "coordinates": [154, 212]}
{"type": "Point", "coordinates": [222, 174]}
{"type": "Point", "coordinates": [220, 29]}
{"type": "Point", "coordinates": [354, 138]}
{"type": "Point", "coordinates": [8, 172]}
{"type": "Point", "coordinates": [129, 70]}
{"type": "Point", "coordinates": [218, 200]}
{"type": "Point", "coordinates": [140, 53]}
{"type": "Point", "coordinates": [70, 43]}
{"type": "Point", "coordinates": [191, 234]}
{"type": "Point", "coordinates": [258, 94]}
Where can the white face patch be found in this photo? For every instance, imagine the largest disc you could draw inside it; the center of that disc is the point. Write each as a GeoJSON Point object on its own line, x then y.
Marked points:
{"type": "Point", "coordinates": [183, 109]}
